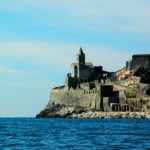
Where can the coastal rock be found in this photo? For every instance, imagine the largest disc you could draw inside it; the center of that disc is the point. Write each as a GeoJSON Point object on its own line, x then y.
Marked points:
{"type": "Point", "coordinates": [60, 111]}
{"type": "Point", "coordinates": [63, 111]}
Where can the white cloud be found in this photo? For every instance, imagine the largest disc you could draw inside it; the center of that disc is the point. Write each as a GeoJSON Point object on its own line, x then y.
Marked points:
{"type": "Point", "coordinates": [48, 54]}
{"type": "Point", "coordinates": [108, 15]}
{"type": "Point", "coordinates": [97, 15]}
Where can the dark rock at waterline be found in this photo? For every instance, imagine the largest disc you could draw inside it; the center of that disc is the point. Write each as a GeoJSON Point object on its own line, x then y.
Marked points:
{"type": "Point", "coordinates": [60, 111]}
{"type": "Point", "coordinates": [66, 111]}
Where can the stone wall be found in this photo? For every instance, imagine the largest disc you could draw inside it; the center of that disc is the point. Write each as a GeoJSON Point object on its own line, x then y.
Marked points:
{"type": "Point", "coordinates": [85, 95]}
{"type": "Point", "coordinates": [139, 61]}
{"type": "Point", "coordinates": [90, 98]}
{"type": "Point", "coordinates": [85, 73]}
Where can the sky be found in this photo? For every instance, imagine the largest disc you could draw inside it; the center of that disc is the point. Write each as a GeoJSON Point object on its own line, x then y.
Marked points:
{"type": "Point", "coordinates": [39, 40]}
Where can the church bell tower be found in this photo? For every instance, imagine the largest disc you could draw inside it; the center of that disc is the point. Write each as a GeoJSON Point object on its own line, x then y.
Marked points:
{"type": "Point", "coordinates": [81, 57]}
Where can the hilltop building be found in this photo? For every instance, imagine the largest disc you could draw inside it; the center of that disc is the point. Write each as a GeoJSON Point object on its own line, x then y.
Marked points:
{"type": "Point", "coordinates": [140, 68]}
{"type": "Point", "coordinates": [89, 87]}
{"type": "Point", "coordinates": [140, 60]}
{"type": "Point", "coordinates": [82, 72]}
{"type": "Point", "coordinates": [85, 86]}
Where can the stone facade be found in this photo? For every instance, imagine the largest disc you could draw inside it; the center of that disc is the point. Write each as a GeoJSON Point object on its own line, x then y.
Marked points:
{"type": "Point", "coordinates": [83, 71]}
{"type": "Point", "coordinates": [143, 76]}
{"type": "Point", "coordinates": [137, 61]}
{"type": "Point", "coordinates": [86, 96]}
{"type": "Point", "coordinates": [85, 86]}
{"type": "Point", "coordinates": [140, 68]}
{"type": "Point", "coordinates": [89, 88]}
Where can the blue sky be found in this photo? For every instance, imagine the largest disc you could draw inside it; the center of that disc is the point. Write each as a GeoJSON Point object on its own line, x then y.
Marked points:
{"type": "Point", "coordinates": [39, 40]}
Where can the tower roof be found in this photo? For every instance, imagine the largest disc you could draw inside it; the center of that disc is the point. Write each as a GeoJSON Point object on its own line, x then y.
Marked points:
{"type": "Point", "coordinates": [81, 51]}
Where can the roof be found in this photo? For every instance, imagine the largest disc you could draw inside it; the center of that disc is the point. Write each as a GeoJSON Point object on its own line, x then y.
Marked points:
{"type": "Point", "coordinates": [81, 51]}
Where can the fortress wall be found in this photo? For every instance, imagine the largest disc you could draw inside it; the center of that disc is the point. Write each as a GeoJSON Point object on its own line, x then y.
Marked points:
{"type": "Point", "coordinates": [140, 61]}
{"type": "Point", "coordinates": [89, 99]}
{"type": "Point", "coordinates": [84, 74]}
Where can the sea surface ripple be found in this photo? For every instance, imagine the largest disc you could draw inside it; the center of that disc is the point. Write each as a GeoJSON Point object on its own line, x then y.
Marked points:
{"type": "Point", "coordinates": [72, 134]}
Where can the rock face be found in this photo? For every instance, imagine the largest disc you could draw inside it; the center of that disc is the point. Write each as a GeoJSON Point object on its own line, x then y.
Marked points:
{"type": "Point", "coordinates": [60, 111]}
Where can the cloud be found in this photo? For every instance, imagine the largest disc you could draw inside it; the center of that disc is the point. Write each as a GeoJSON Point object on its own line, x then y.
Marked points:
{"type": "Point", "coordinates": [41, 53]}
{"type": "Point", "coordinates": [98, 15]}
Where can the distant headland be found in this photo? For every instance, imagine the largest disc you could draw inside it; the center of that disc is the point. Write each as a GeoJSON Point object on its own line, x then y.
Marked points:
{"type": "Point", "coordinates": [91, 92]}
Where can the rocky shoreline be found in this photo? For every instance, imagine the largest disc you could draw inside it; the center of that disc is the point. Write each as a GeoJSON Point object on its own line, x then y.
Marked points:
{"type": "Point", "coordinates": [63, 111]}
{"type": "Point", "coordinates": [91, 114]}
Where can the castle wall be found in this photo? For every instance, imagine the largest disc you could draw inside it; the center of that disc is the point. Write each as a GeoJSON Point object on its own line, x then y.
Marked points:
{"type": "Point", "coordinates": [140, 61]}
{"type": "Point", "coordinates": [84, 96]}
{"type": "Point", "coordinates": [74, 69]}
{"type": "Point", "coordinates": [70, 81]}
{"type": "Point", "coordinates": [89, 98]}
{"type": "Point", "coordinates": [85, 73]}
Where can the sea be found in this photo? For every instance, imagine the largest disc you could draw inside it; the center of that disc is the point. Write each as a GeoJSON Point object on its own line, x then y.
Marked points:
{"type": "Point", "coordinates": [74, 134]}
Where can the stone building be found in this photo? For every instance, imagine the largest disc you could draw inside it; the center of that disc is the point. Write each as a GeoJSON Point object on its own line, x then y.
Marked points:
{"type": "Point", "coordinates": [83, 71]}
{"type": "Point", "coordinates": [140, 60]}
{"type": "Point", "coordinates": [140, 68]}
{"type": "Point", "coordinates": [93, 88]}
{"type": "Point", "coordinates": [85, 86]}
{"type": "Point", "coordinates": [100, 97]}
{"type": "Point", "coordinates": [143, 76]}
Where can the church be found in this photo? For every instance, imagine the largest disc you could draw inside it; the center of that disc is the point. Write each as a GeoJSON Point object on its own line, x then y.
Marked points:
{"type": "Point", "coordinates": [82, 72]}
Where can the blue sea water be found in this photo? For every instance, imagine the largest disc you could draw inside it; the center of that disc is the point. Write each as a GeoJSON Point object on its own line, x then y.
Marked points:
{"type": "Point", "coordinates": [68, 134]}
